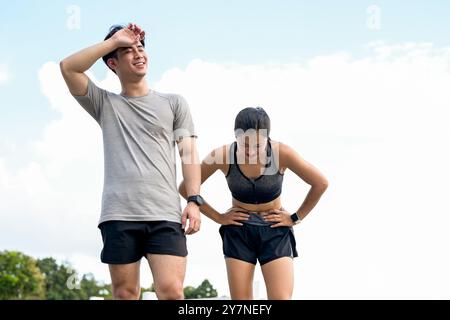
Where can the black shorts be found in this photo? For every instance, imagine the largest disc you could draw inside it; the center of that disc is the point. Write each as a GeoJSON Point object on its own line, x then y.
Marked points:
{"type": "Point", "coordinates": [128, 241]}
{"type": "Point", "coordinates": [263, 243]}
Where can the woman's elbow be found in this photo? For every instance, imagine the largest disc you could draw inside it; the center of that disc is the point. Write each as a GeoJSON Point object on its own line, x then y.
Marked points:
{"type": "Point", "coordinates": [322, 185]}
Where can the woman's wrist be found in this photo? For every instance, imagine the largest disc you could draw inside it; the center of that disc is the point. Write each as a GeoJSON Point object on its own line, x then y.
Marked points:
{"type": "Point", "coordinates": [295, 217]}
{"type": "Point", "coordinates": [216, 217]}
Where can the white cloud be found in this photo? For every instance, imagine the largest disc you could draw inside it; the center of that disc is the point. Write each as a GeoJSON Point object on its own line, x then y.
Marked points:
{"type": "Point", "coordinates": [4, 74]}
{"type": "Point", "coordinates": [377, 126]}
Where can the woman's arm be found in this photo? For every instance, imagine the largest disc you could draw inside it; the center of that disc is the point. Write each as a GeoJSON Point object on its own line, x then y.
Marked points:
{"type": "Point", "coordinates": [208, 166]}
{"type": "Point", "coordinates": [290, 159]}
{"type": "Point", "coordinates": [308, 173]}
{"type": "Point", "coordinates": [216, 160]}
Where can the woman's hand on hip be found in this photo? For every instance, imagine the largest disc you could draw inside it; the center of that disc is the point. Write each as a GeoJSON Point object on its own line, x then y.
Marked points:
{"type": "Point", "coordinates": [280, 218]}
{"type": "Point", "coordinates": [233, 216]}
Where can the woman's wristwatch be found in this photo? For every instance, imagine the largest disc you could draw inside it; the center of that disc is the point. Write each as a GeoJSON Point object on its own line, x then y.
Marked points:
{"type": "Point", "coordinates": [295, 218]}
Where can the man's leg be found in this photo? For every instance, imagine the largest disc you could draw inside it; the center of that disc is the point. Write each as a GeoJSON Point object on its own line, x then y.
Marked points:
{"type": "Point", "coordinates": [240, 279]}
{"type": "Point", "coordinates": [125, 281]}
{"type": "Point", "coordinates": [168, 275]}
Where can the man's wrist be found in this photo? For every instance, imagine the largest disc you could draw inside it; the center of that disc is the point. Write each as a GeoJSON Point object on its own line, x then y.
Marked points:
{"type": "Point", "coordinates": [197, 199]}
{"type": "Point", "coordinates": [113, 43]}
{"type": "Point", "coordinates": [192, 203]}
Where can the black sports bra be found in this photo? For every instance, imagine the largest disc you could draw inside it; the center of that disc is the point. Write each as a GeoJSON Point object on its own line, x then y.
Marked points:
{"type": "Point", "coordinates": [263, 189]}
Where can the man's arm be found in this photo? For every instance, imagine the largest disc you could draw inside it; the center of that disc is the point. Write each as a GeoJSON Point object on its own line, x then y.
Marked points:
{"type": "Point", "coordinates": [192, 179]}
{"type": "Point", "coordinates": [190, 165]}
{"type": "Point", "coordinates": [208, 167]}
{"type": "Point", "coordinates": [74, 66]}
{"type": "Point", "coordinates": [216, 160]}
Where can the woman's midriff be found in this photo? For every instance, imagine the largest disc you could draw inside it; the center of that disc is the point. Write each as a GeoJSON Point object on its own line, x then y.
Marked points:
{"type": "Point", "coordinates": [262, 207]}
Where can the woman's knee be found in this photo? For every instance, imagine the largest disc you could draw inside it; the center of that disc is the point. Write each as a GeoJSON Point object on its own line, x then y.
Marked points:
{"type": "Point", "coordinates": [279, 296]}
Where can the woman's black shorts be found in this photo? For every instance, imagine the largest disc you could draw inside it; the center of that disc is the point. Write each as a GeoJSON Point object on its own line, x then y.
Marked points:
{"type": "Point", "coordinates": [253, 243]}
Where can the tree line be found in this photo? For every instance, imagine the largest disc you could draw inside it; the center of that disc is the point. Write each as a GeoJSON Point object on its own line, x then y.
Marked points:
{"type": "Point", "coordinates": [22, 278]}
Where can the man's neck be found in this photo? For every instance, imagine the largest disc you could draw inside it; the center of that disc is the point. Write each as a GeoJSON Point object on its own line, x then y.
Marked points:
{"type": "Point", "coordinates": [137, 88]}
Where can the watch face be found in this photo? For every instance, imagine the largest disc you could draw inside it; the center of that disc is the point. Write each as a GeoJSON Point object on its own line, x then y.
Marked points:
{"type": "Point", "coordinates": [197, 199]}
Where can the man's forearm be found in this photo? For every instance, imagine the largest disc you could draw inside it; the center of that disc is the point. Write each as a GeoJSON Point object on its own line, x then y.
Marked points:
{"type": "Point", "coordinates": [190, 165]}
{"type": "Point", "coordinates": [192, 178]}
{"type": "Point", "coordinates": [82, 60]}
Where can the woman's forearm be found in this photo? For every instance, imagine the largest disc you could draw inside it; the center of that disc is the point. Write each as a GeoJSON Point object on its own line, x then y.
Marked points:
{"type": "Point", "coordinates": [311, 199]}
{"type": "Point", "coordinates": [210, 212]}
{"type": "Point", "coordinates": [206, 209]}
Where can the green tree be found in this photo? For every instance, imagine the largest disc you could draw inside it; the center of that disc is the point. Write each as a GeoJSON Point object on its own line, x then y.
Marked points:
{"type": "Point", "coordinates": [204, 290]}
{"type": "Point", "coordinates": [57, 278]}
{"type": "Point", "coordinates": [90, 287]}
{"type": "Point", "coordinates": [62, 282]}
{"type": "Point", "coordinates": [151, 288]}
{"type": "Point", "coordinates": [20, 277]}
{"type": "Point", "coordinates": [189, 292]}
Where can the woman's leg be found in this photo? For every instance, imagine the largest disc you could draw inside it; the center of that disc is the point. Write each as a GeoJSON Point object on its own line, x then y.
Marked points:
{"type": "Point", "coordinates": [279, 278]}
{"type": "Point", "coordinates": [240, 279]}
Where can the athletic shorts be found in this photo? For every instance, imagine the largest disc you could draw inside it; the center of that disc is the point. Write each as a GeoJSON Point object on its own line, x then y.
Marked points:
{"type": "Point", "coordinates": [253, 243]}
{"type": "Point", "coordinates": [128, 241]}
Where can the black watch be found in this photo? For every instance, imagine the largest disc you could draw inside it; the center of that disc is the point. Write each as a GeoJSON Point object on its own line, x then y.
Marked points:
{"type": "Point", "coordinates": [197, 199]}
{"type": "Point", "coordinates": [295, 218]}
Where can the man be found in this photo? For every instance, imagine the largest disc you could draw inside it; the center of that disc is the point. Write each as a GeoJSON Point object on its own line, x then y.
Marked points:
{"type": "Point", "coordinates": [141, 214]}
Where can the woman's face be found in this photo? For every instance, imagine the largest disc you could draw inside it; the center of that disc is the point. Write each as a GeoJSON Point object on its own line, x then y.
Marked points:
{"type": "Point", "coordinates": [252, 145]}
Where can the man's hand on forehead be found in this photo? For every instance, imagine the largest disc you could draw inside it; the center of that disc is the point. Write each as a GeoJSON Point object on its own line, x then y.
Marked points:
{"type": "Point", "coordinates": [137, 30]}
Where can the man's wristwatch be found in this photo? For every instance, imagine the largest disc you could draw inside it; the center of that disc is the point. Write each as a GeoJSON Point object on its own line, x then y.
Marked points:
{"type": "Point", "coordinates": [295, 218]}
{"type": "Point", "coordinates": [197, 199]}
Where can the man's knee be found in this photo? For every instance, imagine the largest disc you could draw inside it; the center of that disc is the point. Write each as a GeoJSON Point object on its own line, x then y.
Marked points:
{"type": "Point", "coordinates": [170, 291]}
{"type": "Point", "coordinates": [126, 293]}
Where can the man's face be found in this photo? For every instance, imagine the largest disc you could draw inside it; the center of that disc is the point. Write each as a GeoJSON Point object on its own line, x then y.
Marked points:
{"type": "Point", "coordinates": [131, 61]}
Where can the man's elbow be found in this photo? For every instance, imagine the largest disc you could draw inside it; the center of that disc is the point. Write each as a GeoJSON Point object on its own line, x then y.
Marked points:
{"type": "Point", "coordinates": [182, 190]}
{"type": "Point", "coordinates": [188, 155]}
{"type": "Point", "coordinates": [63, 66]}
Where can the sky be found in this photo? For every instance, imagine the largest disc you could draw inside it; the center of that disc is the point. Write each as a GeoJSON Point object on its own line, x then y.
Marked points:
{"type": "Point", "coordinates": [359, 89]}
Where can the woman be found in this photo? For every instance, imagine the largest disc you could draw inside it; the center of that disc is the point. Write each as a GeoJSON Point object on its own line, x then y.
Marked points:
{"type": "Point", "coordinates": [257, 228]}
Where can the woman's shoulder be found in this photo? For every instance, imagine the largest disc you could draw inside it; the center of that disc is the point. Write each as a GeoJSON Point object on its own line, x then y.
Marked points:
{"type": "Point", "coordinates": [281, 152]}
{"type": "Point", "coordinates": [220, 156]}
{"type": "Point", "coordinates": [280, 147]}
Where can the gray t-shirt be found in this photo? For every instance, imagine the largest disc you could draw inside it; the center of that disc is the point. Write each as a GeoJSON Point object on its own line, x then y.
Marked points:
{"type": "Point", "coordinates": [139, 135]}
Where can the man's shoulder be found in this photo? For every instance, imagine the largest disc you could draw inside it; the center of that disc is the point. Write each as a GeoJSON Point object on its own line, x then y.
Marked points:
{"type": "Point", "coordinates": [176, 101]}
{"type": "Point", "coordinates": [171, 97]}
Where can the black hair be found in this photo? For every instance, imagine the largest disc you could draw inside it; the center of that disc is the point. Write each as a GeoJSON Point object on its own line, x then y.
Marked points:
{"type": "Point", "coordinates": [113, 54]}
{"type": "Point", "coordinates": [253, 118]}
